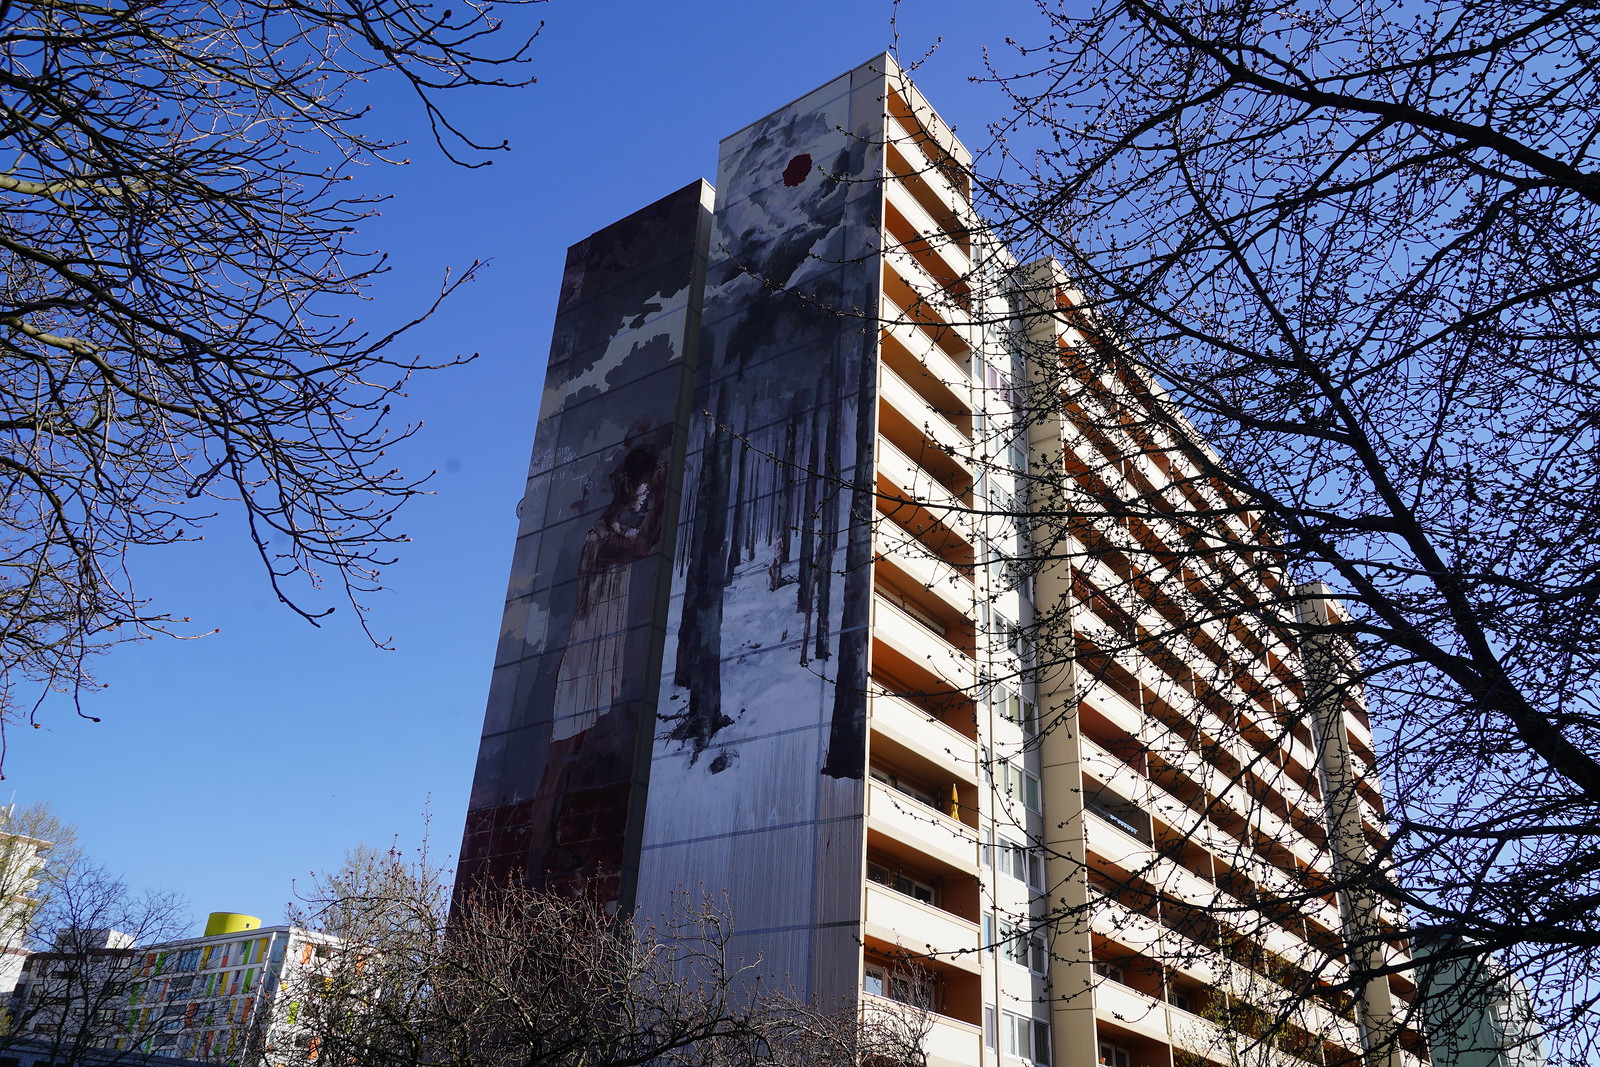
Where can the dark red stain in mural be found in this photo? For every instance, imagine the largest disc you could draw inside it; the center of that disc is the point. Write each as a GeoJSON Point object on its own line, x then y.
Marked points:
{"type": "Point", "coordinates": [796, 171]}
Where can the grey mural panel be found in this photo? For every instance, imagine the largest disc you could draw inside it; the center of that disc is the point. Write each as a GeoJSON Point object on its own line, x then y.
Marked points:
{"type": "Point", "coordinates": [759, 754]}
{"type": "Point", "coordinates": [558, 792]}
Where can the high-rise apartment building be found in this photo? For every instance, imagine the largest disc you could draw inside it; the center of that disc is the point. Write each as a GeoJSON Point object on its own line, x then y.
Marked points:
{"type": "Point", "coordinates": [810, 607]}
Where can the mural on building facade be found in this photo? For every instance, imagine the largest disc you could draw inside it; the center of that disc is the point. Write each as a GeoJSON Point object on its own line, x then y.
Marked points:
{"type": "Point", "coordinates": [760, 740]}
{"type": "Point", "coordinates": [689, 609]}
{"type": "Point", "coordinates": [558, 789]}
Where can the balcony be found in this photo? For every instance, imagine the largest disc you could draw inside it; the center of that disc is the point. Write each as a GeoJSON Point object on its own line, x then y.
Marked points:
{"type": "Point", "coordinates": [904, 483]}
{"type": "Point", "coordinates": [908, 228]}
{"type": "Point", "coordinates": [918, 202]}
{"type": "Point", "coordinates": [918, 929]}
{"type": "Point", "coordinates": [955, 338]}
{"type": "Point", "coordinates": [1359, 730]}
{"type": "Point", "coordinates": [1116, 921]}
{"type": "Point", "coordinates": [922, 431]}
{"type": "Point", "coordinates": [914, 165]}
{"type": "Point", "coordinates": [909, 727]}
{"type": "Point", "coordinates": [953, 305]}
{"type": "Point", "coordinates": [1130, 1010]}
{"type": "Point", "coordinates": [901, 819]}
{"type": "Point", "coordinates": [921, 566]}
{"type": "Point", "coordinates": [1112, 772]}
{"type": "Point", "coordinates": [916, 642]}
{"type": "Point", "coordinates": [1116, 709]}
{"type": "Point", "coordinates": [949, 1042]}
{"type": "Point", "coordinates": [1117, 846]}
{"type": "Point", "coordinates": [940, 371]}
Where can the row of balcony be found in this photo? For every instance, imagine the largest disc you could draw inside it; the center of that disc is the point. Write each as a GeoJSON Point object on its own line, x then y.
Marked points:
{"type": "Point", "coordinates": [1128, 854]}
{"type": "Point", "coordinates": [1077, 440]}
{"type": "Point", "coordinates": [1186, 642]}
{"type": "Point", "coordinates": [1218, 785]}
{"type": "Point", "coordinates": [1122, 1013]}
{"type": "Point", "coordinates": [1224, 739]}
{"type": "Point", "coordinates": [1292, 747]}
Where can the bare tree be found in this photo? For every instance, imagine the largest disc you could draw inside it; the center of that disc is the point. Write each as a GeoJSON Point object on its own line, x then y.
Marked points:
{"type": "Point", "coordinates": [80, 993]}
{"type": "Point", "coordinates": [177, 279]}
{"type": "Point", "coordinates": [516, 975]}
{"type": "Point", "coordinates": [1338, 259]}
{"type": "Point", "coordinates": [38, 850]}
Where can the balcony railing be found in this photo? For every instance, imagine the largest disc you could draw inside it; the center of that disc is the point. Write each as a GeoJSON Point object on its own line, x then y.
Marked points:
{"type": "Point", "coordinates": [910, 822]}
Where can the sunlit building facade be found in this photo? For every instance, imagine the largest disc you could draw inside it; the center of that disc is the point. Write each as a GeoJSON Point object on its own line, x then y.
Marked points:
{"type": "Point", "coordinates": [790, 619]}
{"type": "Point", "coordinates": [228, 997]}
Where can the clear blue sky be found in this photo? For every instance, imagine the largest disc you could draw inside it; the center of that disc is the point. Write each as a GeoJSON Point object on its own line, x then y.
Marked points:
{"type": "Point", "coordinates": [226, 767]}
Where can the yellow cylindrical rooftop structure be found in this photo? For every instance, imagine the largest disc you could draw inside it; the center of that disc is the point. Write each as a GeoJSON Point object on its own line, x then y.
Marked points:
{"type": "Point", "coordinates": [230, 922]}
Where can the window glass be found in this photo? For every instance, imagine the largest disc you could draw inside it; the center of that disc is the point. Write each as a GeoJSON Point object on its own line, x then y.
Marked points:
{"type": "Point", "coordinates": [1027, 1039]}
{"type": "Point", "coordinates": [876, 982]}
{"type": "Point", "coordinates": [1038, 954]}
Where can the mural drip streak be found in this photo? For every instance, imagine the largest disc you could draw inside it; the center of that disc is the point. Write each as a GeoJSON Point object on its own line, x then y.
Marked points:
{"type": "Point", "coordinates": [762, 720]}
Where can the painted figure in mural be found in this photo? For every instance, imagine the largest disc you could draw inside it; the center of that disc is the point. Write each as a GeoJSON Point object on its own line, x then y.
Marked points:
{"type": "Point", "coordinates": [628, 529]}
{"type": "Point", "coordinates": [583, 789]}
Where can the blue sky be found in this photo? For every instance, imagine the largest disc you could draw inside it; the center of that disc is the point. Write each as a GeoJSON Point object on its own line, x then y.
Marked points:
{"type": "Point", "coordinates": [227, 767]}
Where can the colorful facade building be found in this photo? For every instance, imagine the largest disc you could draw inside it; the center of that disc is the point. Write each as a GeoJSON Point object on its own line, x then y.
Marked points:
{"type": "Point", "coordinates": [226, 997]}
{"type": "Point", "coordinates": [795, 616]}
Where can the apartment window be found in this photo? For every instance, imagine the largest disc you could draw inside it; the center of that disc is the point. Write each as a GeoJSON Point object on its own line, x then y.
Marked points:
{"type": "Point", "coordinates": [900, 985]}
{"type": "Point", "coordinates": [1022, 863]}
{"type": "Point", "coordinates": [998, 567]}
{"type": "Point", "coordinates": [1023, 947]}
{"type": "Point", "coordinates": [1111, 971]}
{"type": "Point", "coordinates": [899, 784]}
{"type": "Point", "coordinates": [1114, 1055]}
{"type": "Point", "coordinates": [1015, 708]}
{"type": "Point", "coordinates": [990, 1025]}
{"type": "Point", "coordinates": [997, 382]}
{"type": "Point", "coordinates": [1002, 502]}
{"type": "Point", "coordinates": [1180, 1001]}
{"type": "Point", "coordinates": [1020, 785]}
{"type": "Point", "coordinates": [1017, 452]}
{"type": "Point", "coordinates": [1017, 642]}
{"type": "Point", "coordinates": [900, 883]}
{"type": "Point", "coordinates": [1024, 1038]}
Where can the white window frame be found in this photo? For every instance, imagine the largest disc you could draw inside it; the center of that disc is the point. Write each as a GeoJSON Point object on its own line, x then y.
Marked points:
{"type": "Point", "coordinates": [873, 973]}
{"type": "Point", "coordinates": [1016, 709]}
{"type": "Point", "coordinates": [1114, 1055]}
{"type": "Point", "coordinates": [1022, 785]}
{"type": "Point", "coordinates": [1025, 1038]}
{"type": "Point", "coordinates": [1021, 862]}
{"type": "Point", "coordinates": [1024, 947]}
